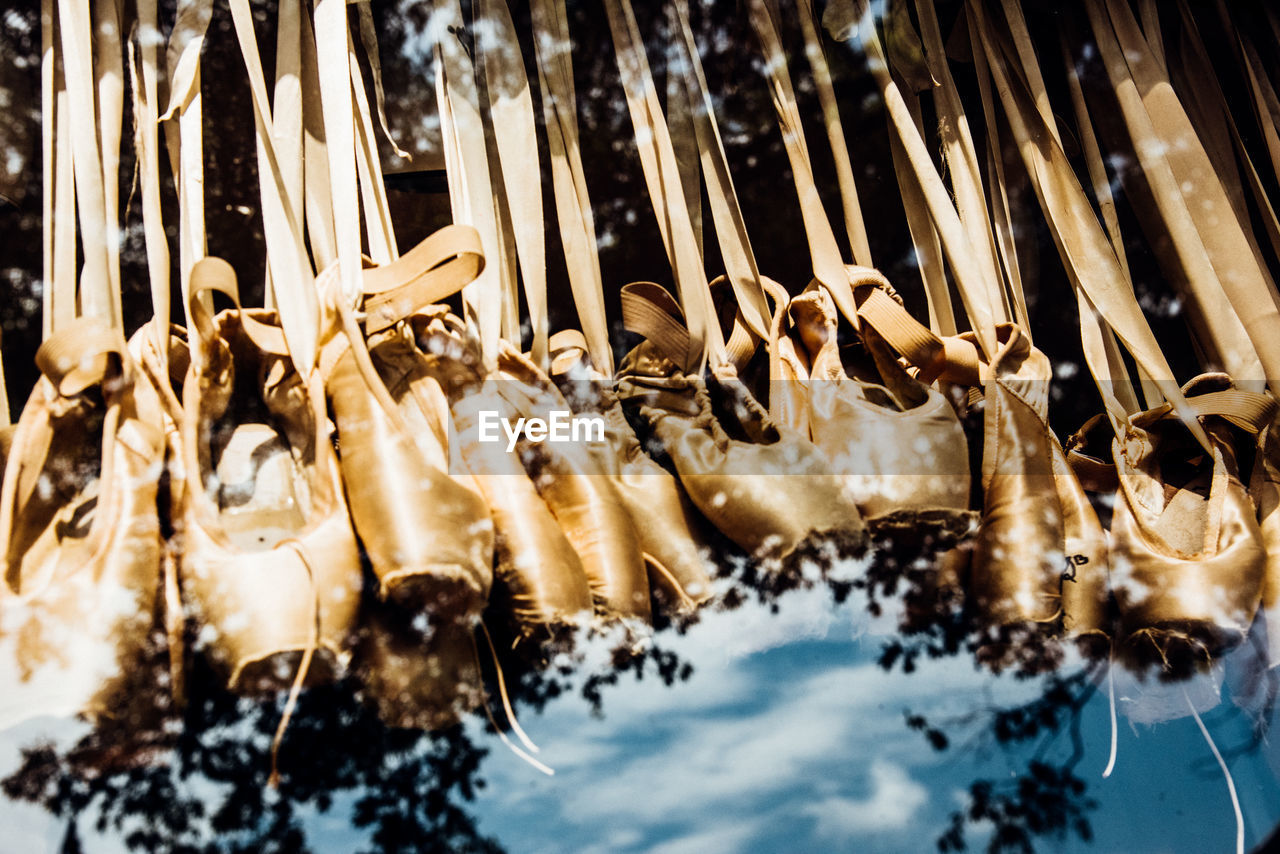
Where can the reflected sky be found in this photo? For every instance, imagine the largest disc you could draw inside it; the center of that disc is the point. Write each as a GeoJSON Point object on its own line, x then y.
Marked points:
{"type": "Point", "coordinates": [790, 736]}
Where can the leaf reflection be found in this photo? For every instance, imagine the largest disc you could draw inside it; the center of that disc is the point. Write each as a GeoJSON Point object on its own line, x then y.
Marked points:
{"type": "Point", "coordinates": [197, 779]}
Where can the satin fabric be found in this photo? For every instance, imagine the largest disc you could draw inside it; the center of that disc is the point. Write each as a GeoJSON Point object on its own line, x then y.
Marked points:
{"type": "Point", "coordinates": [1038, 531]}
{"type": "Point", "coordinates": [1189, 559]}
{"type": "Point", "coordinates": [896, 442]}
{"type": "Point", "coordinates": [1187, 568]}
{"type": "Point", "coordinates": [266, 583]}
{"type": "Point", "coordinates": [1086, 576]}
{"type": "Point", "coordinates": [672, 534]}
{"type": "Point", "coordinates": [542, 580]}
{"type": "Point", "coordinates": [771, 492]}
{"type": "Point", "coordinates": [572, 478]}
{"type": "Point", "coordinates": [82, 557]}
{"type": "Point", "coordinates": [426, 530]}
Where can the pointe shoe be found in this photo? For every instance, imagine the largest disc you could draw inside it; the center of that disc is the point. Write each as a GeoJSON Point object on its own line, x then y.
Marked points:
{"type": "Point", "coordinates": [542, 579]}
{"type": "Point", "coordinates": [424, 525]}
{"type": "Point", "coordinates": [81, 535]}
{"type": "Point", "coordinates": [672, 534]}
{"type": "Point", "coordinates": [269, 564]}
{"type": "Point", "coordinates": [1037, 525]}
{"type": "Point", "coordinates": [428, 535]}
{"type": "Point", "coordinates": [572, 478]}
{"type": "Point", "coordinates": [896, 442]}
{"type": "Point", "coordinates": [764, 486]}
{"type": "Point", "coordinates": [1188, 557]}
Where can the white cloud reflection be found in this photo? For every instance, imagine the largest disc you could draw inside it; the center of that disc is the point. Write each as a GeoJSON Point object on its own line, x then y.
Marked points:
{"type": "Point", "coordinates": [892, 805]}
{"type": "Point", "coordinates": [787, 726]}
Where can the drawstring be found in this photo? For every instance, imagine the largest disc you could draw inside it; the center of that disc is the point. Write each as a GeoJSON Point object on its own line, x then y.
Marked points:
{"type": "Point", "coordinates": [502, 691]}
{"type": "Point", "coordinates": [296, 688]}
{"type": "Point", "coordinates": [506, 705]}
{"type": "Point", "coordinates": [156, 372]}
{"type": "Point", "coordinates": [1111, 698]}
{"type": "Point", "coordinates": [1226, 773]}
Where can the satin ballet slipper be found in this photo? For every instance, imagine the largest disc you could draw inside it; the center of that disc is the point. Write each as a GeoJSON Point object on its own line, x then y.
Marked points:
{"type": "Point", "coordinates": [1037, 525]}
{"type": "Point", "coordinates": [427, 531]}
{"type": "Point", "coordinates": [896, 442]}
{"type": "Point", "coordinates": [81, 536]}
{"type": "Point", "coordinates": [423, 524]}
{"type": "Point", "coordinates": [672, 534]}
{"type": "Point", "coordinates": [572, 478]}
{"type": "Point", "coordinates": [768, 491]}
{"type": "Point", "coordinates": [540, 577]}
{"type": "Point", "coordinates": [269, 564]}
{"type": "Point", "coordinates": [762, 484]}
{"type": "Point", "coordinates": [1189, 560]}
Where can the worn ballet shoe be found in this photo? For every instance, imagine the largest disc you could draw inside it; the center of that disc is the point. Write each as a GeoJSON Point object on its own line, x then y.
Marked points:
{"type": "Point", "coordinates": [763, 485]}
{"type": "Point", "coordinates": [1188, 557]}
{"type": "Point", "coordinates": [572, 478]}
{"type": "Point", "coordinates": [425, 527]}
{"type": "Point", "coordinates": [1037, 525]}
{"type": "Point", "coordinates": [269, 564]}
{"type": "Point", "coordinates": [541, 578]}
{"type": "Point", "coordinates": [81, 535]}
{"type": "Point", "coordinates": [896, 442]}
{"type": "Point", "coordinates": [428, 534]}
{"type": "Point", "coordinates": [672, 534]}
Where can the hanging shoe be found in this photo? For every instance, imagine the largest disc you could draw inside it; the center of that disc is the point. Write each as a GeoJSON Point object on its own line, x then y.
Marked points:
{"type": "Point", "coordinates": [81, 536]}
{"type": "Point", "coordinates": [1037, 525]}
{"type": "Point", "coordinates": [672, 534]}
{"type": "Point", "coordinates": [424, 525]}
{"type": "Point", "coordinates": [572, 479]}
{"type": "Point", "coordinates": [1188, 557]}
{"type": "Point", "coordinates": [896, 442]}
{"type": "Point", "coordinates": [762, 484]}
{"type": "Point", "coordinates": [428, 534]}
{"type": "Point", "coordinates": [542, 583]}
{"type": "Point", "coordinates": [269, 564]}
